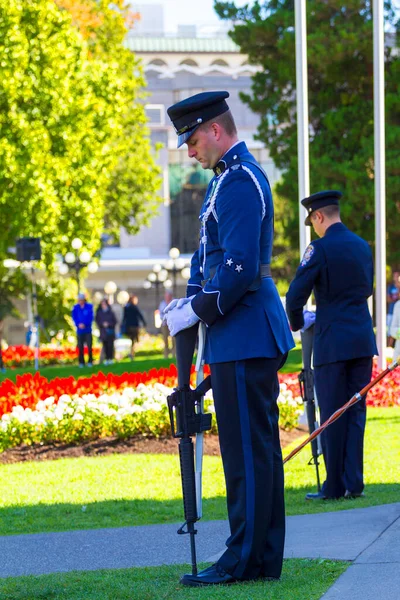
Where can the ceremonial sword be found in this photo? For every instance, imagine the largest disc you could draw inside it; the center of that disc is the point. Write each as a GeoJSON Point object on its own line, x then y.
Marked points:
{"type": "Point", "coordinates": [353, 400]}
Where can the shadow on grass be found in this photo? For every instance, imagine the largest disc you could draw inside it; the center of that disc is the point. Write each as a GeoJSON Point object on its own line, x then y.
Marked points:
{"type": "Point", "coordinates": [43, 518]}
{"type": "Point", "coordinates": [392, 419]}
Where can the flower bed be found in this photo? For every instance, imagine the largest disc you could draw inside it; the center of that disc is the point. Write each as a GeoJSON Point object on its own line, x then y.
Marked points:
{"type": "Point", "coordinates": [53, 354]}
{"type": "Point", "coordinates": [76, 419]}
{"type": "Point", "coordinates": [28, 389]}
{"type": "Point", "coordinates": [35, 410]}
{"type": "Point", "coordinates": [68, 410]}
{"type": "Point", "coordinates": [50, 354]}
{"type": "Point", "coordinates": [387, 391]}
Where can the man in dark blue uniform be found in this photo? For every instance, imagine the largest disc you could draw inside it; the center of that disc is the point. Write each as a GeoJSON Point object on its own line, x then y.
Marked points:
{"type": "Point", "coordinates": [338, 267]}
{"type": "Point", "coordinates": [231, 290]}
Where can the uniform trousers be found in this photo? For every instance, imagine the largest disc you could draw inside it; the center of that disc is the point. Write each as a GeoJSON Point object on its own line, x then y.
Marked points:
{"type": "Point", "coordinates": [245, 394]}
{"type": "Point", "coordinates": [343, 441]}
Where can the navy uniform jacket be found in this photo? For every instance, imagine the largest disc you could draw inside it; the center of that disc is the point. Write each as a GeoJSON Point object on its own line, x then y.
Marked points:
{"type": "Point", "coordinates": [339, 268]}
{"type": "Point", "coordinates": [236, 237]}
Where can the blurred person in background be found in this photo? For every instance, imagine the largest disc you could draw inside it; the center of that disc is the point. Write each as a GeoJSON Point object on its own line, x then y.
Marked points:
{"type": "Point", "coordinates": [164, 327]}
{"type": "Point", "coordinates": [132, 319]}
{"type": "Point", "coordinates": [82, 315]}
{"type": "Point", "coordinates": [118, 311]}
{"type": "Point", "coordinates": [106, 321]}
{"type": "Point", "coordinates": [393, 295]}
{"type": "Point", "coordinates": [394, 330]}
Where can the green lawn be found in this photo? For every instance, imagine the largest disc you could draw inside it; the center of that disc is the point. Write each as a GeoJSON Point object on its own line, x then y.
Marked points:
{"type": "Point", "coordinates": [301, 580]}
{"type": "Point", "coordinates": [138, 489]}
{"type": "Point", "coordinates": [143, 362]}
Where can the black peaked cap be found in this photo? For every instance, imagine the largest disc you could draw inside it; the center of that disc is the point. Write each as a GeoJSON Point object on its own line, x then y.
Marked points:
{"type": "Point", "coordinates": [319, 200]}
{"type": "Point", "coordinates": [190, 113]}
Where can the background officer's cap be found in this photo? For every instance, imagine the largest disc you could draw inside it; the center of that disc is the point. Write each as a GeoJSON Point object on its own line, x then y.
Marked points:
{"type": "Point", "coordinates": [190, 113]}
{"type": "Point", "coordinates": [319, 200]}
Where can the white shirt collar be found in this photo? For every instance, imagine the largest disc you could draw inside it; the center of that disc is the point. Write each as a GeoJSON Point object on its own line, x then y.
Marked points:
{"type": "Point", "coordinates": [233, 145]}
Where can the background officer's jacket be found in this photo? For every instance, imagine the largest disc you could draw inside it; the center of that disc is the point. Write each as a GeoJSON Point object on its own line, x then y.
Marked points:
{"type": "Point", "coordinates": [239, 232]}
{"type": "Point", "coordinates": [339, 268]}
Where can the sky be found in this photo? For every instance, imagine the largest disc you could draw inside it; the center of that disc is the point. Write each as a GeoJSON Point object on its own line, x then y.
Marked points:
{"type": "Point", "coordinates": [188, 12]}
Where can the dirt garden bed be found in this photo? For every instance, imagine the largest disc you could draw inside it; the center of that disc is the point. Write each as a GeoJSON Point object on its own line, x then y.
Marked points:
{"type": "Point", "coordinates": [113, 445]}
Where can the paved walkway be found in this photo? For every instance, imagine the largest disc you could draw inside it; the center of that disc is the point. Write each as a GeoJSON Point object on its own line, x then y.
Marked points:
{"type": "Point", "coordinates": [369, 537]}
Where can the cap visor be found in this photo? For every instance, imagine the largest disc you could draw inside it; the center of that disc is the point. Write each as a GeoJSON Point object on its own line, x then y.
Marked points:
{"type": "Point", "coordinates": [183, 138]}
{"type": "Point", "coordinates": [308, 220]}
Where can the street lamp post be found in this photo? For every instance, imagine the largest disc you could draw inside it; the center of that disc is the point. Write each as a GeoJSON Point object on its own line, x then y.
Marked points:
{"type": "Point", "coordinates": [110, 288]}
{"type": "Point", "coordinates": [76, 262]}
{"type": "Point", "coordinates": [32, 308]}
{"type": "Point", "coordinates": [159, 275]}
{"type": "Point", "coordinates": [123, 297]}
{"type": "Point", "coordinates": [157, 278]}
{"type": "Point", "coordinates": [174, 266]}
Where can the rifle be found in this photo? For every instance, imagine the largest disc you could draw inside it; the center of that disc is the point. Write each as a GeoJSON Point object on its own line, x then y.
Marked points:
{"type": "Point", "coordinates": [306, 381]}
{"type": "Point", "coordinates": [187, 419]}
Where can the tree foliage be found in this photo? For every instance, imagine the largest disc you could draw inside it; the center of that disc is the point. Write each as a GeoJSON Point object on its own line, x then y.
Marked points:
{"type": "Point", "coordinates": [69, 112]}
{"type": "Point", "coordinates": [131, 197]}
{"type": "Point", "coordinates": [74, 148]}
{"type": "Point", "coordinates": [340, 89]}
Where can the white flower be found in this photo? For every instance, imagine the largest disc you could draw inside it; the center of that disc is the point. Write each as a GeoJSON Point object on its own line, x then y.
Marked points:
{"type": "Point", "coordinates": [64, 399]}
{"type": "Point", "coordinates": [49, 401]}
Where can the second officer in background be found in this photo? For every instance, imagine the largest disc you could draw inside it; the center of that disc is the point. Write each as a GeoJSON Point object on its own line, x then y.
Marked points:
{"type": "Point", "coordinates": [338, 267]}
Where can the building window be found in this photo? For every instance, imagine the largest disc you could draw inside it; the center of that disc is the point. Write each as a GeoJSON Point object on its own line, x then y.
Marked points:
{"type": "Point", "coordinates": [155, 114]}
{"type": "Point", "coordinates": [189, 62]}
{"type": "Point", "coordinates": [220, 63]}
{"type": "Point", "coordinates": [158, 62]}
{"type": "Point", "coordinates": [186, 93]}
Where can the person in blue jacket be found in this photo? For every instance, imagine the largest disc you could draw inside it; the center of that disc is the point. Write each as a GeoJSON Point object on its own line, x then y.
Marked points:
{"type": "Point", "coordinates": [338, 267]}
{"type": "Point", "coordinates": [248, 337]}
{"type": "Point", "coordinates": [82, 315]}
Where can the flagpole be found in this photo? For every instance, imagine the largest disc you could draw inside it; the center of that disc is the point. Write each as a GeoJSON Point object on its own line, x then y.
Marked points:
{"type": "Point", "coordinates": [380, 191]}
{"type": "Point", "coordinates": [302, 118]}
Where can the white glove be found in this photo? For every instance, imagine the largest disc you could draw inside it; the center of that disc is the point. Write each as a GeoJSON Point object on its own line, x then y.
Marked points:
{"type": "Point", "coordinates": [178, 303]}
{"type": "Point", "coordinates": [181, 318]}
{"type": "Point", "coordinates": [309, 319]}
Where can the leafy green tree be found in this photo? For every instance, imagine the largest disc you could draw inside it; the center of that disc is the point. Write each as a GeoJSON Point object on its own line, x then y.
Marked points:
{"type": "Point", "coordinates": [131, 198]}
{"type": "Point", "coordinates": [67, 107]}
{"type": "Point", "coordinates": [74, 149]}
{"type": "Point", "coordinates": [340, 84]}
{"type": "Point", "coordinates": [48, 138]}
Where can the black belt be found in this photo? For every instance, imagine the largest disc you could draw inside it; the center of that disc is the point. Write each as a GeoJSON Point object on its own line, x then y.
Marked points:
{"type": "Point", "coordinates": [263, 272]}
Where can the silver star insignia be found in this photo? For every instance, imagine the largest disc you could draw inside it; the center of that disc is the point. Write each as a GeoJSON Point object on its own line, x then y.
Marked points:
{"type": "Point", "coordinates": [229, 262]}
{"type": "Point", "coordinates": [238, 268]}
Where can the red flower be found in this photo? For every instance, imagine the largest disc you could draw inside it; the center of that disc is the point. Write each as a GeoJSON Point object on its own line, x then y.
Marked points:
{"type": "Point", "coordinates": [29, 389]}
